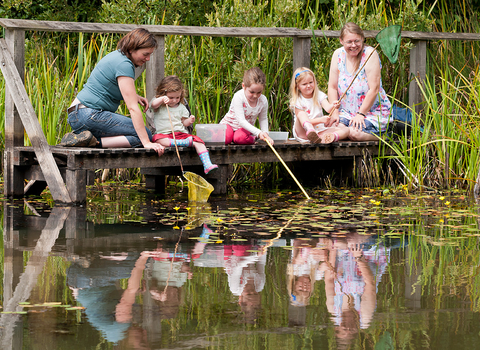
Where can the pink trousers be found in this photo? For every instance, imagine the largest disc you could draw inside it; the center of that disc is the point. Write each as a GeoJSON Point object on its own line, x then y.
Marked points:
{"type": "Point", "coordinates": [239, 137]}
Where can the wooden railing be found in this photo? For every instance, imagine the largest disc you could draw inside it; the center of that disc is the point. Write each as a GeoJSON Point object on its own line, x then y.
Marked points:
{"type": "Point", "coordinates": [14, 47]}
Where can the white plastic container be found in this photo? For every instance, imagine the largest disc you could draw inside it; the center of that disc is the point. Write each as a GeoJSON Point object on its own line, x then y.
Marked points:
{"type": "Point", "coordinates": [279, 136]}
{"type": "Point", "coordinates": [211, 133]}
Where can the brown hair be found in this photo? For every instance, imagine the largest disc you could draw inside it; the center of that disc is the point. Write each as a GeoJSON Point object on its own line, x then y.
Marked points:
{"type": "Point", "coordinates": [354, 28]}
{"type": "Point", "coordinates": [139, 38]}
{"type": "Point", "coordinates": [254, 76]}
{"type": "Point", "coordinates": [170, 83]}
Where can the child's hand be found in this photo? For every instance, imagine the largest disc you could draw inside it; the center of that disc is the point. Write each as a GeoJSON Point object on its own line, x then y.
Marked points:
{"type": "Point", "coordinates": [164, 100]}
{"type": "Point", "coordinates": [264, 136]}
{"type": "Point", "coordinates": [189, 121]}
{"type": "Point", "coordinates": [336, 104]}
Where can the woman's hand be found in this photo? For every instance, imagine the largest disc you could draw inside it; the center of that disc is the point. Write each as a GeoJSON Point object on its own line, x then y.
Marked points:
{"type": "Point", "coordinates": [264, 136]}
{"type": "Point", "coordinates": [143, 102]}
{"type": "Point", "coordinates": [156, 147]}
{"type": "Point", "coordinates": [357, 122]}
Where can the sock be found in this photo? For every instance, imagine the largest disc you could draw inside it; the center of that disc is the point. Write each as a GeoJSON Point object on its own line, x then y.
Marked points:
{"type": "Point", "coordinates": [207, 163]}
{"type": "Point", "coordinates": [188, 142]}
{"type": "Point", "coordinates": [336, 137]}
{"type": "Point", "coordinates": [308, 127]}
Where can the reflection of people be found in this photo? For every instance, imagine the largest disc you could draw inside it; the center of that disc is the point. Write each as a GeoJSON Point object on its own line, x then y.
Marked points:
{"type": "Point", "coordinates": [302, 273]}
{"type": "Point", "coordinates": [306, 102]}
{"type": "Point", "coordinates": [365, 108]}
{"type": "Point", "coordinates": [247, 105]}
{"type": "Point", "coordinates": [92, 114]}
{"type": "Point", "coordinates": [170, 112]}
{"type": "Point", "coordinates": [245, 267]}
{"type": "Point", "coordinates": [351, 281]}
{"type": "Point", "coordinates": [95, 286]}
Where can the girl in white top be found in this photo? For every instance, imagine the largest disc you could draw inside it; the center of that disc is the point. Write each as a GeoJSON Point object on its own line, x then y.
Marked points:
{"type": "Point", "coordinates": [246, 107]}
{"type": "Point", "coordinates": [306, 102]}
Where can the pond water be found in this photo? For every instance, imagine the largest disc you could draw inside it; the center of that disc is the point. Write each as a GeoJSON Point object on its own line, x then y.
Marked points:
{"type": "Point", "coordinates": [350, 269]}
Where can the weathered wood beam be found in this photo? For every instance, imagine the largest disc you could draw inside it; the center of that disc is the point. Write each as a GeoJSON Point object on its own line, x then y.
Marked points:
{"type": "Point", "coordinates": [84, 27]}
{"type": "Point", "coordinates": [418, 70]}
{"type": "Point", "coordinates": [30, 122]}
{"type": "Point", "coordinates": [301, 52]}
{"type": "Point", "coordinates": [14, 132]}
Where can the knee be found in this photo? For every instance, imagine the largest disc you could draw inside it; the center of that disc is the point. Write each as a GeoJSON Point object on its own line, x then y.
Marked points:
{"type": "Point", "coordinates": [354, 134]}
{"type": "Point", "coordinates": [241, 138]}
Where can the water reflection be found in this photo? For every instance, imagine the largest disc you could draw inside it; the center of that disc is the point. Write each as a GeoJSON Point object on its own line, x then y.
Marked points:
{"type": "Point", "coordinates": [202, 280]}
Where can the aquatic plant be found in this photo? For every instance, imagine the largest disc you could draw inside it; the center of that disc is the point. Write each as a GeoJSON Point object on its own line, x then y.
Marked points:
{"type": "Point", "coordinates": [212, 70]}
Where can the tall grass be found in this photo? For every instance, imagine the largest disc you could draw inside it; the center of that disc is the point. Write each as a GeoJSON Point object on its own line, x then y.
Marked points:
{"type": "Point", "coordinates": [444, 154]}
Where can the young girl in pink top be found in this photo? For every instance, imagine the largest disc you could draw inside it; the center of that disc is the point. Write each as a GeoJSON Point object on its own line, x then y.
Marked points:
{"type": "Point", "coordinates": [246, 107]}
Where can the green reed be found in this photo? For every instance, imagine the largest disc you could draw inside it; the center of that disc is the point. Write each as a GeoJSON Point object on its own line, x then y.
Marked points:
{"type": "Point", "coordinates": [212, 70]}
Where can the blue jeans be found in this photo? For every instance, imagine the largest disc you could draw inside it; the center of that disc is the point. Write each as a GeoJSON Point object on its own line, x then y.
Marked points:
{"type": "Point", "coordinates": [104, 124]}
{"type": "Point", "coordinates": [369, 127]}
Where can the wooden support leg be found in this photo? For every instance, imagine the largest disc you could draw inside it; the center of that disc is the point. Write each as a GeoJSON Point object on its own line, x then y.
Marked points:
{"type": "Point", "coordinates": [155, 182]}
{"type": "Point", "coordinates": [13, 176]}
{"type": "Point", "coordinates": [13, 257]}
{"type": "Point", "coordinates": [219, 178]}
{"type": "Point", "coordinates": [76, 181]}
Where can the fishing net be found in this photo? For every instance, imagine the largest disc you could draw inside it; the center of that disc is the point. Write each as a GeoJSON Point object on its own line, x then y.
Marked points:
{"type": "Point", "coordinates": [198, 188]}
{"type": "Point", "coordinates": [389, 40]}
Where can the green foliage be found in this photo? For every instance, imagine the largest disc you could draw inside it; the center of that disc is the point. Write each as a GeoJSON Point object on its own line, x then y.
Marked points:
{"type": "Point", "coordinates": [212, 68]}
{"type": "Point", "coordinates": [51, 10]}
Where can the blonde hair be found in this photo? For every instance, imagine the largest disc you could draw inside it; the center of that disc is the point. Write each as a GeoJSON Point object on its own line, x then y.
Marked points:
{"type": "Point", "coordinates": [170, 83]}
{"type": "Point", "coordinates": [298, 76]}
{"type": "Point", "coordinates": [354, 28]}
{"type": "Point", "coordinates": [298, 299]}
{"type": "Point", "coordinates": [254, 76]}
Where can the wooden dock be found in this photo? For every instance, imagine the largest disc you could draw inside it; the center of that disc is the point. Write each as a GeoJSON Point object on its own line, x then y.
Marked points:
{"type": "Point", "coordinates": [76, 165]}
{"type": "Point", "coordinates": [67, 171]}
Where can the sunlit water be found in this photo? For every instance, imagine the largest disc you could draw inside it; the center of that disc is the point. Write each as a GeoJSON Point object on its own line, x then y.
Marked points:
{"type": "Point", "coordinates": [350, 269]}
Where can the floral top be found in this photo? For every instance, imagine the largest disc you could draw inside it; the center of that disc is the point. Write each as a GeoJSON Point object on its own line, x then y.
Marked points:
{"type": "Point", "coordinates": [380, 112]}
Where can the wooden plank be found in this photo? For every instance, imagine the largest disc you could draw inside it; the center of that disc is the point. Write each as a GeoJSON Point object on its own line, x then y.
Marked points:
{"type": "Point", "coordinates": [14, 133]}
{"type": "Point", "coordinates": [55, 26]}
{"type": "Point", "coordinates": [83, 27]}
{"type": "Point", "coordinates": [418, 69]}
{"type": "Point", "coordinates": [35, 264]}
{"type": "Point", "coordinates": [155, 73]}
{"type": "Point", "coordinates": [27, 114]}
{"type": "Point", "coordinates": [301, 52]}
{"type": "Point", "coordinates": [76, 182]}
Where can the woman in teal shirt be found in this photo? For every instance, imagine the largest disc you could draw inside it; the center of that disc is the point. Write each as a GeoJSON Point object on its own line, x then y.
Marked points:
{"type": "Point", "coordinates": [92, 114]}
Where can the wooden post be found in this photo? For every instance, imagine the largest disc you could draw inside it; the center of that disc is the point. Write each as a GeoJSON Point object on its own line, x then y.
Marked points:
{"type": "Point", "coordinates": [418, 69]}
{"type": "Point", "coordinates": [155, 72]}
{"type": "Point", "coordinates": [13, 184]}
{"type": "Point", "coordinates": [301, 52]}
{"type": "Point", "coordinates": [155, 67]}
{"type": "Point", "coordinates": [32, 126]}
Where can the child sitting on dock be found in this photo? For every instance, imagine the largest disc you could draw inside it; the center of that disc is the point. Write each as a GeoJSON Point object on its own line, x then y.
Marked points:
{"type": "Point", "coordinates": [306, 102]}
{"type": "Point", "coordinates": [170, 115]}
{"type": "Point", "coordinates": [248, 105]}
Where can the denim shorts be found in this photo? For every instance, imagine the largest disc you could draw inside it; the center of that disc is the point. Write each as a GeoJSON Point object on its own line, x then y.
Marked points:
{"type": "Point", "coordinates": [369, 127]}
{"type": "Point", "coordinates": [104, 124]}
